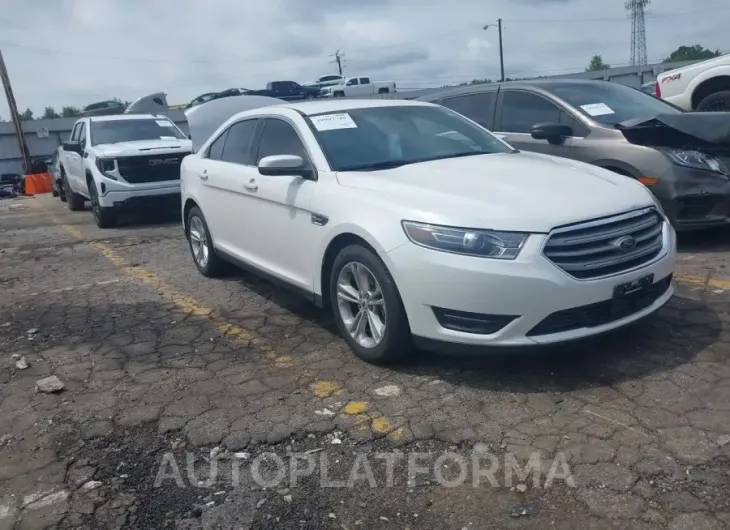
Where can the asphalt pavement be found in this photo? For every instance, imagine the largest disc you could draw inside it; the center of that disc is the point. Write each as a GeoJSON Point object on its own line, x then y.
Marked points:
{"type": "Point", "coordinates": [193, 403]}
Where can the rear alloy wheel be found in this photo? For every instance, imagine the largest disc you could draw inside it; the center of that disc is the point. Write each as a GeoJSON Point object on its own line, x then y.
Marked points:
{"type": "Point", "coordinates": [201, 246]}
{"type": "Point", "coordinates": [717, 102]}
{"type": "Point", "coordinates": [74, 200]}
{"type": "Point", "coordinates": [367, 307]}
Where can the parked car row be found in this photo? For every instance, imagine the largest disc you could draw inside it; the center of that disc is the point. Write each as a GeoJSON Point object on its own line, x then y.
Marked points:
{"type": "Point", "coordinates": [325, 86]}
{"type": "Point", "coordinates": [416, 224]}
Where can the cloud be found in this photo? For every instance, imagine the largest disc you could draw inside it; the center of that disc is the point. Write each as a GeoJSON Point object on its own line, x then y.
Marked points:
{"type": "Point", "coordinates": [74, 52]}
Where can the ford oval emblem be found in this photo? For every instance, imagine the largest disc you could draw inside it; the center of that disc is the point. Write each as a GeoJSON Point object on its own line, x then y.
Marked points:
{"type": "Point", "coordinates": [625, 243]}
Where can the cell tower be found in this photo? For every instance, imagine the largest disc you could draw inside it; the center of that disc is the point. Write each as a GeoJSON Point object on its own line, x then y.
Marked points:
{"type": "Point", "coordinates": [638, 31]}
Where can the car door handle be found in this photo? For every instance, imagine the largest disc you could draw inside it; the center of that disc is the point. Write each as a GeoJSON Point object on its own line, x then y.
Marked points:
{"type": "Point", "coordinates": [251, 185]}
{"type": "Point", "coordinates": [203, 175]}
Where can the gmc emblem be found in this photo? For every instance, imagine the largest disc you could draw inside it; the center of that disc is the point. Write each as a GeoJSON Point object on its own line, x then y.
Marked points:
{"type": "Point", "coordinates": [163, 161]}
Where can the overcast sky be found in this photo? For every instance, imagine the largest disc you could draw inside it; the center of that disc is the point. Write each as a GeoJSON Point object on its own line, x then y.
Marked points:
{"type": "Point", "coordinates": [75, 52]}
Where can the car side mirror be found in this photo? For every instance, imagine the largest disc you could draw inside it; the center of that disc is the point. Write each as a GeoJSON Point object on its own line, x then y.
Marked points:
{"type": "Point", "coordinates": [74, 147]}
{"type": "Point", "coordinates": [554, 133]}
{"type": "Point", "coordinates": [284, 165]}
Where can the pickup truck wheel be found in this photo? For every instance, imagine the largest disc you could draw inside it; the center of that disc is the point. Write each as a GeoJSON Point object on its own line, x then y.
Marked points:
{"type": "Point", "coordinates": [367, 307]}
{"type": "Point", "coordinates": [201, 246]}
{"type": "Point", "coordinates": [54, 192]}
{"type": "Point", "coordinates": [717, 102]}
{"type": "Point", "coordinates": [75, 201]}
{"type": "Point", "coordinates": [338, 94]}
{"type": "Point", "coordinates": [104, 217]}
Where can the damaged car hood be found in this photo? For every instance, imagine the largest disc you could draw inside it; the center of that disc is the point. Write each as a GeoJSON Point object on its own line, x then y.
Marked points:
{"type": "Point", "coordinates": [699, 129]}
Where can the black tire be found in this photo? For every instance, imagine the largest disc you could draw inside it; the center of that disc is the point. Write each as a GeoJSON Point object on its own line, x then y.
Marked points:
{"type": "Point", "coordinates": [214, 266]}
{"type": "Point", "coordinates": [717, 102]}
{"type": "Point", "coordinates": [104, 217]}
{"type": "Point", "coordinates": [338, 95]}
{"type": "Point", "coordinates": [396, 342]}
{"type": "Point", "coordinates": [74, 200]}
{"type": "Point", "coordinates": [384, 91]}
{"type": "Point", "coordinates": [54, 192]}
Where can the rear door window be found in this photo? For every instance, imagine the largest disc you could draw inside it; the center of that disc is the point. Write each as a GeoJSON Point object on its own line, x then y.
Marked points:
{"type": "Point", "coordinates": [478, 107]}
{"type": "Point", "coordinates": [237, 148]}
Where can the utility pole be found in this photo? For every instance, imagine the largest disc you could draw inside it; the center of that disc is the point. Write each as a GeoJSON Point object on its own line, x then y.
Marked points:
{"type": "Point", "coordinates": [338, 60]}
{"type": "Point", "coordinates": [501, 52]}
{"type": "Point", "coordinates": [24, 151]}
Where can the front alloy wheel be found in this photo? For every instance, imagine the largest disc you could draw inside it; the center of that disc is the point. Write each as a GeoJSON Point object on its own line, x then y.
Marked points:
{"type": "Point", "coordinates": [361, 304]}
{"type": "Point", "coordinates": [104, 217]}
{"type": "Point", "coordinates": [367, 307]}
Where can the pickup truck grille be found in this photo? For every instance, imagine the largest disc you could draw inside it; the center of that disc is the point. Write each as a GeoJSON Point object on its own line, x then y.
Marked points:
{"type": "Point", "coordinates": [150, 168]}
{"type": "Point", "coordinates": [606, 246]}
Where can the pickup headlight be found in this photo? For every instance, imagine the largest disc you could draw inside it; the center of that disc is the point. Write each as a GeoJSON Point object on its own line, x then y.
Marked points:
{"type": "Point", "coordinates": [479, 243]}
{"type": "Point", "coordinates": [697, 160]}
{"type": "Point", "coordinates": [106, 165]}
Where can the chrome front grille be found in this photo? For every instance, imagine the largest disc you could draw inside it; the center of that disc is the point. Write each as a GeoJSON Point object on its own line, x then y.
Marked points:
{"type": "Point", "coordinates": [606, 246]}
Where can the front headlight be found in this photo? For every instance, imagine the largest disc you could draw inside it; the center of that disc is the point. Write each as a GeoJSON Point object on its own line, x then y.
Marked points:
{"type": "Point", "coordinates": [470, 242]}
{"type": "Point", "coordinates": [106, 165]}
{"type": "Point", "coordinates": [697, 160]}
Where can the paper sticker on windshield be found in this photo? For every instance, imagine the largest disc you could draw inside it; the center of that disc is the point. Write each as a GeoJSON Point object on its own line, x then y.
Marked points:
{"type": "Point", "coordinates": [167, 138]}
{"type": "Point", "coordinates": [597, 109]}
{"type": "Point", "coordinates": [331, 122]}
{"type": "Point", "coordinates": [164, 123]}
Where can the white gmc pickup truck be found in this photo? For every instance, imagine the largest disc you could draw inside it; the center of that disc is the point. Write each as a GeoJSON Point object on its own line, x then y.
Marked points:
{"type": "Point", "coordinates": [703, 86]}
{"type": "Point", "coordinates": [122, 162]}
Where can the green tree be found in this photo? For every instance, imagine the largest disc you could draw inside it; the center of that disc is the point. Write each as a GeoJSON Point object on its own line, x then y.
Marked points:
{"type": "Point", "coordinates": [69, 112]}
{"type": "Point", "coordinates": [49, 113]}
{"type": "Point", "coordinates": [691, 53]}
{"type": "Point", "coordinates": [597, 64]}
{"type": "Point", "coordinates": [26, 115]}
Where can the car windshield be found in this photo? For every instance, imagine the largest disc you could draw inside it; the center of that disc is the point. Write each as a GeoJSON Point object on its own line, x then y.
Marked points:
{"type": "Point", "coordinates": [130, 130]}
{"type": "Point", "coordinates": [611, 103]}
{"type": "Point", "coordinates": [386, 137]}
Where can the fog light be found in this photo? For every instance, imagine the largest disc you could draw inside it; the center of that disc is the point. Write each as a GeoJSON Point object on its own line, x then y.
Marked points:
{"type": "Point", "coordinates": [477, 323]}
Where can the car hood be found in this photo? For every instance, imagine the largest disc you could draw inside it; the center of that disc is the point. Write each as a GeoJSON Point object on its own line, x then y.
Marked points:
{"type": "Point", "coordinates": [144, 147]}
{"type": "Point", "coordinates": [527, 192]}
{"type": "Point", "coordinates": [681, 130]}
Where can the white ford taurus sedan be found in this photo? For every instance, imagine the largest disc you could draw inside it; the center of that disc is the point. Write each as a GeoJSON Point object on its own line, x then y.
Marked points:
{"type": "Point", "coordinates": [416, 225]}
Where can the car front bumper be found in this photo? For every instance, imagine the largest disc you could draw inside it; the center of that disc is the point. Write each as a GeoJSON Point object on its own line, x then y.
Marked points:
{"type": "Point", "coordinates": [694, 199]}
{"type": "Point", "coordinates": [121, 195]}
{"type": "Point", "coordinates": [548, 305]}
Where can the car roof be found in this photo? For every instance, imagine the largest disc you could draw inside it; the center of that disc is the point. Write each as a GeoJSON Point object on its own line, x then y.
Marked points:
{"type": "Point", "coordinates": [527, 83]}
{"type": "Point", "coordinates": [310, 108]}
{"type": "Point", "coordinates": [119, 117]}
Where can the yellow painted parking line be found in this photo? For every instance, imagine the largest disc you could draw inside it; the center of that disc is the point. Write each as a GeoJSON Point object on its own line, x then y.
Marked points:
{"type": "Point", "coordinates": [322, 389]}
{"type": "Point", "coordinates": [188, 304]}
{"type": "Point", "coordinates": [707, 282]}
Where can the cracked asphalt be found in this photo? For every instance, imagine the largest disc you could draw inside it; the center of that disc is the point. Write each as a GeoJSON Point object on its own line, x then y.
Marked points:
{"type": "Point", "coordinates": [160, 364]}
